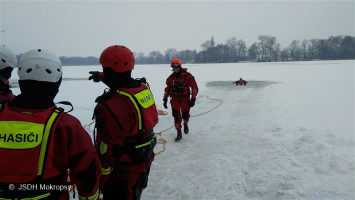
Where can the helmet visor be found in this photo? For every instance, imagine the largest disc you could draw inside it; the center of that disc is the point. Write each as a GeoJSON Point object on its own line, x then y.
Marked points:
{"type": "Point", "coordinates": [175, 65]}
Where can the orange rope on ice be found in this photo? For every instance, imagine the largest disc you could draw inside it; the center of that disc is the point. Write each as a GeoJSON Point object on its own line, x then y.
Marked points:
{"type": "Point", "coordinates": [220, 102]}
{"type": "Point", "coordinates": [163, 141]}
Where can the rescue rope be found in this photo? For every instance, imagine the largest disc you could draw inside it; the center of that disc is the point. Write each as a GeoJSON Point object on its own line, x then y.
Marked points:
{"type": "Point", "coordinates": [220, 102]}
{"type": "Point", "coordinates": [163, 141]}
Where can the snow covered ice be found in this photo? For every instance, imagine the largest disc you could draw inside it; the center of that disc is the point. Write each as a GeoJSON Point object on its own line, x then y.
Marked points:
{"type": "Point", "coordinates": [287, 134]}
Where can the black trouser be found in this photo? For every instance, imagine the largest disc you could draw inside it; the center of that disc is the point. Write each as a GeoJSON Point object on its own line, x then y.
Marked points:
{"type": "Point", "coordinates": [115, 189]}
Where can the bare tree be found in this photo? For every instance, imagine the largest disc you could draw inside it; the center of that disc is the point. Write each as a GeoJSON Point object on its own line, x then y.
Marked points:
{"type": "Point", "coordinates": [313, 49]}
{"type": "Point", "coordinates": [276, 52]}
{"type": "Point", "coordinates": [334, 47]}
{"type": "Point", "coordinates": [254, 52]}
{"type": "Point", "coordinates": [237, 49]}
{"type": "Point", "coordinates": [295, 50]}
{"type": "Point", "coordinates": [233, 46]}
{"type": "Point", "coordinates": [187, 55]}
{"type": "Point", "coordinates": [348, 47]}
{"type": "Point", "coordinates": [170, 54]}
{"type": "Point", "coordinates": [267, 44]}
{"type": "Point", "coordinates": [241, 50]}
{"type": "Point", "coordinates": [208, 44]}
{"type": "Point", "coordinates": [285, 54]}
{"type": "Point", "coordinates": [212, 42]}
{"type": "Point", "coordinates": [156, 57]}
{"type": "Point", "coordinates": [304, 48]}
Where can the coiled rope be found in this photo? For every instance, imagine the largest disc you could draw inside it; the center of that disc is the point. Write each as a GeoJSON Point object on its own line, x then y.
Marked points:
{"type": "Point", "coordinates": [163, 141]}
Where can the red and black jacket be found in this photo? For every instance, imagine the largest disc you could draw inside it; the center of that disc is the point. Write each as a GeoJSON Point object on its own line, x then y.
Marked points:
{"type": "Point", "coordinates": [125, 118]}
{"type": "Point", "coordinates": [38, 146]}
{"type": "Point", "coordinates": [181, 85]}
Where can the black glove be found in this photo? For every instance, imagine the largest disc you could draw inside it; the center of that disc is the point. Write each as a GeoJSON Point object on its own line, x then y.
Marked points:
{"type": "Point", "coordinates": [192, 102]}
{"type": "Point", "coordinates": [96, 76]}
{"type": "Point", "coordinates": [165, 103]}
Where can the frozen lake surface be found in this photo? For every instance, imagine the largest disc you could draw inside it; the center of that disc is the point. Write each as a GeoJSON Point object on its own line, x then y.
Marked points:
{"type": "Point", "coordinates": [287, 134]}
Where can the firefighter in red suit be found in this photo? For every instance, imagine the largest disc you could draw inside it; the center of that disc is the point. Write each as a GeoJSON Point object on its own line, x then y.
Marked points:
{"type": "Point", "coordinates": [180, 85]}
{"type": "Point", "coordinates": [8, 62]}
{"type": "Point", "coordinates": [125, 116]}
{"type": "Point", "coordinates": [39, 142]}
{"type": "Point", "coordinates": [240, 82]}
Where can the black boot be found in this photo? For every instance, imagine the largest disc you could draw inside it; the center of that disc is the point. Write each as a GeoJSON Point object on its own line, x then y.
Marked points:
{"type": "Point", "coordinates": [186, 128]}
{"type": "Point", "coordinates": [179, 136]}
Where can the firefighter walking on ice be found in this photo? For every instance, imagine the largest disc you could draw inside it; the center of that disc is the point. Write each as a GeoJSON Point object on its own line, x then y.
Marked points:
{"type": "Point", "coordinates": [182, 89]}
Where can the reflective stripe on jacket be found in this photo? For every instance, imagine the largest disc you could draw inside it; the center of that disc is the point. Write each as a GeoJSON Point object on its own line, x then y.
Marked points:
{"type": "Point", "coordinates": [181, 86]}
{"type": "Point", "coordinates": [144, 103]}
{"type": "Point", "coordinates": [68, 146]}
{"type": "Point", "coordinates": [23, 142]}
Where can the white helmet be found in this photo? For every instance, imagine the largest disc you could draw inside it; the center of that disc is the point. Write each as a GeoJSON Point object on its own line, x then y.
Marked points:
{"type": "Point", "coordinates": [7, 58]}
{"type": "Point", "coordinates": [40, 65]}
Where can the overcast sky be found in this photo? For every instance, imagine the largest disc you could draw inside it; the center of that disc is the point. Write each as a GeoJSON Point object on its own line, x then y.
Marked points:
{"type": "Point", "coordinates": [86, 28]}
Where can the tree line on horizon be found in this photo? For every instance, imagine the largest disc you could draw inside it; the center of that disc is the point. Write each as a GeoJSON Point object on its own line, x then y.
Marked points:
{"type": "Point", "coordinates": [266, 49]}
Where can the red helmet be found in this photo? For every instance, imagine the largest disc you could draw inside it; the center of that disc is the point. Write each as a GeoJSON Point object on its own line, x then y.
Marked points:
{"type": "Point", "coordinates": [176, 61]}
{"type": "Point", "coordinates": [117, 57]}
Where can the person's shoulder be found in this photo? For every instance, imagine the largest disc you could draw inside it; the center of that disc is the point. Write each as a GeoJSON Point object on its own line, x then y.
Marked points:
{"type": "Point", "coordinates": [69, 128]}
{"type": "Point", "coordinates": [189, 74]}
{"type": "Point", "coordinates": [115, 98]}
{"type": "Point", "coordinates": [119, 101]}
{"type": "Point", "coordinates": [69, 124]}
{"type": "Point", "coordinates": [69, 120]}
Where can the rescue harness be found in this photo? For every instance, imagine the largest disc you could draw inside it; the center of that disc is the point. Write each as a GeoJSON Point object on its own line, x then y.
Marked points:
{"type": "Point", "coordinates": [139, 147]}
{"type": "Point", "coordinates": [179, 89]}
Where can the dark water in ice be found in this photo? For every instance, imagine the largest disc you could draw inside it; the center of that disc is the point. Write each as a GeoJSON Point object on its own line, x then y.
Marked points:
{"type": "Point", "coordinates": [14, 83]}
{"type": "Point", "coordinates": [230, 84]}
